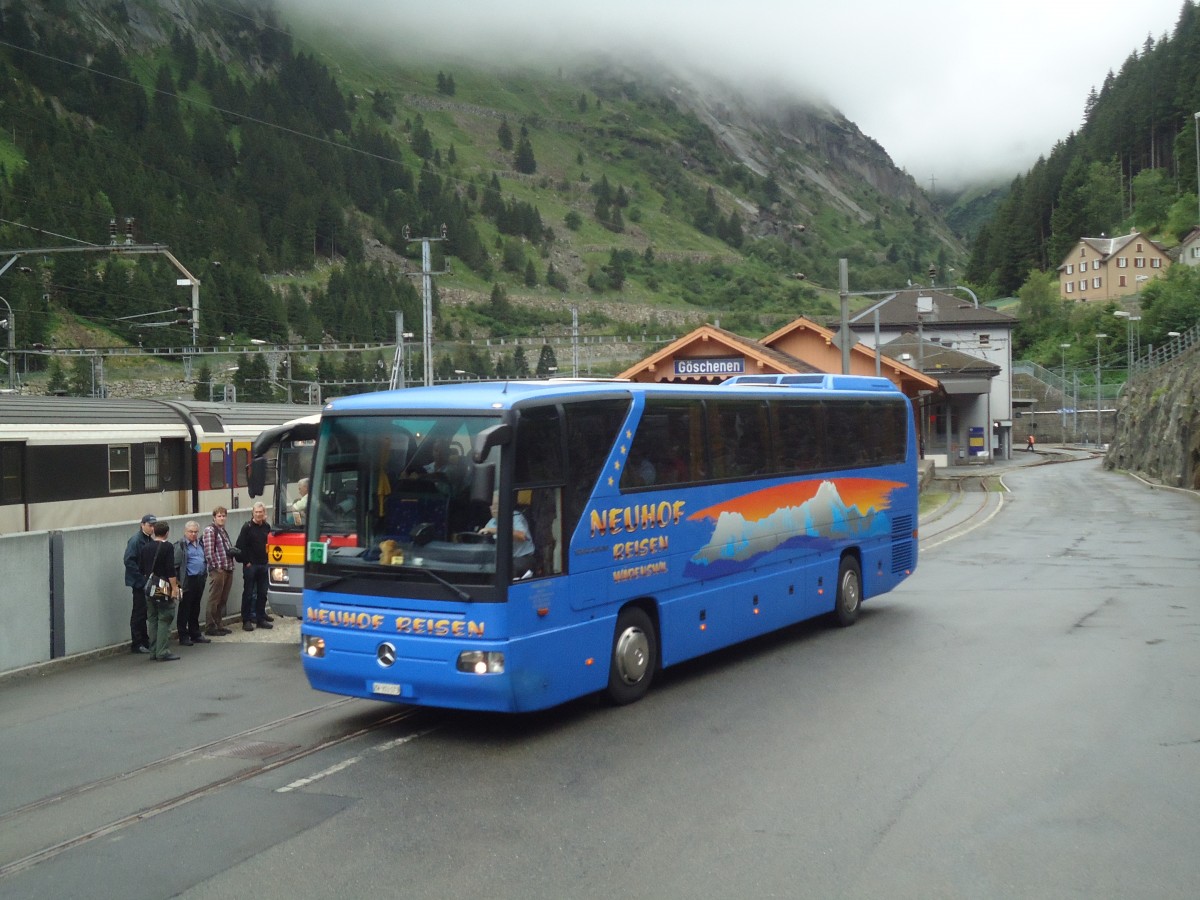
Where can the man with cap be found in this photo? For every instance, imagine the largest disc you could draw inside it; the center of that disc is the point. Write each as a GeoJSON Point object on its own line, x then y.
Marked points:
{"type": "Point", "coordinates": [138, 636]}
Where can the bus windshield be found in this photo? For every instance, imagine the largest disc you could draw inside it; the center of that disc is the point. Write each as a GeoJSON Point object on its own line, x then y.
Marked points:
{"type": "Point", "coordinates": [398, 501]}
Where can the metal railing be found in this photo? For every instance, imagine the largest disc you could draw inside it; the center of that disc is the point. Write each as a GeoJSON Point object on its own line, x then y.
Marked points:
{"type": "Point", "coordinates": [1079, 381]}
{"type": "Point", "coordinates": [1164, 353]}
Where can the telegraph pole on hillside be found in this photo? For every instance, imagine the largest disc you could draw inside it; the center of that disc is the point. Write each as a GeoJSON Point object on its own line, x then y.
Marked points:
{"type": "Point", "coordinates": [427, 298]}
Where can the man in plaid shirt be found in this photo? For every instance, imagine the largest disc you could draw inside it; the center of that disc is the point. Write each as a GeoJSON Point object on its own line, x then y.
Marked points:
{"type": "Point", "coordinates": [218, 557]}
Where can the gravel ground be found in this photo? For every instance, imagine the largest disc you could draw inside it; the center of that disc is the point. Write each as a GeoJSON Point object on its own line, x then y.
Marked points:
{"type": "Point", "coordinates": [284, 631]}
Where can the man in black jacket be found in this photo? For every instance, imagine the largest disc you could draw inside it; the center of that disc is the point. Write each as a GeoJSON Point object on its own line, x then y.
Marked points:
{"type": "Point", "coordinates": [139, 639]}
{"type": "Point", "coordinates": [252, 550]}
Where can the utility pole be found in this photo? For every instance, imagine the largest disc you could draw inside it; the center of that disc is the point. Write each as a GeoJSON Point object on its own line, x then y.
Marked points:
{"type": "Point", "coordinates": [844, 339]}
{"type": "Point", "coordinates": [575, 341]}
{"type": "Point", "coordinates": [10, 324]}
{"type": "Point", "coordinates": [427, 274]}
{"type": "Point", "coordinates": [399, 362]}
{"type": "Point", "coordinates": [1099, 426]}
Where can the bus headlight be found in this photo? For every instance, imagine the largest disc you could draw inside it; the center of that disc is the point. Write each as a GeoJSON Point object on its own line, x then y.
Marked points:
{"type": "Point", "coordinates": [279, 574]}
{"type": "Point", "coordinates": [314, 647]}
{"type": "Point", "coordinates": [481, 662]}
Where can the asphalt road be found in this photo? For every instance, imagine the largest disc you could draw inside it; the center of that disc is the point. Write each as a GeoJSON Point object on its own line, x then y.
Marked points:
{"type": "Point", "coordinates": [1020, 719]}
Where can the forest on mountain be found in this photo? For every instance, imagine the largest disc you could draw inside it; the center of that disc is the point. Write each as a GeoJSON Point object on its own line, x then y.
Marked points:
{"type": "Point", "coordinates": [1132, 164]}
{"type": "Point", "coordinates": [290, 178]}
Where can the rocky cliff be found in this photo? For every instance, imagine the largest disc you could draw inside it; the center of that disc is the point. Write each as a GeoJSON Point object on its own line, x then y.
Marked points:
{"type": "Point", "coordinates": [1158, 424]}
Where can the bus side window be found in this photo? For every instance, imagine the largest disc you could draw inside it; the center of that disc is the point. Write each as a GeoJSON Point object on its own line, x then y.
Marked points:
{"type": "Point", "coordinates": [741, 437]}
{"type": "Point", "coordinates": [664, 451]}
{"type": "Point", "coordinates": [538, 476]}
{"type": "Point", "coordinates": [591, 430]}
{"type": "Point", "coordinates": [800, 429]}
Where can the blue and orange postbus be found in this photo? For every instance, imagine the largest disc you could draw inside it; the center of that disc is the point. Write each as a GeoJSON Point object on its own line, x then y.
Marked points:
{"type": "Point", "coordinates": [282, 456]}
{"type": "Point", "coordinates": [510, 546]}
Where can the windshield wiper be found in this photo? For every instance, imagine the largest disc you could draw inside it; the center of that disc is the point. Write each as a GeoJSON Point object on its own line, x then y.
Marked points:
{"type": "Point", "coordinates": [329, 582]}
{"type": "Point", "coordinates": [459, 592]}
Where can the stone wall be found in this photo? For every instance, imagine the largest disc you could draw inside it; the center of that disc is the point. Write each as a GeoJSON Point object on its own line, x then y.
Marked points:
{"type": "Point", "coordinates": [1158, 424]}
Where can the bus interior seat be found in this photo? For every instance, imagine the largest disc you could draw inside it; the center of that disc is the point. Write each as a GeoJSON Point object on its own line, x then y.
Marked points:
{"type": "Point", "coordinates": [413, 504]}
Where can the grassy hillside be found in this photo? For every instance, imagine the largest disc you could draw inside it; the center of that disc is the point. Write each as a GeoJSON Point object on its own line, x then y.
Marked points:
{"type": "Point", "coordinates": [285, 163]}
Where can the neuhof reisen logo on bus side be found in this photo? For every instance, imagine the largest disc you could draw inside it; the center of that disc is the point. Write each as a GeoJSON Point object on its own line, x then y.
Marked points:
{"type": "Point", "coordinates": [640, 532]}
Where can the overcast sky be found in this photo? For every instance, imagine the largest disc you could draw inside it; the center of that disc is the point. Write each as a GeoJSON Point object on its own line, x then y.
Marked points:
{"type": "Point", "coordinates": [955, 90]}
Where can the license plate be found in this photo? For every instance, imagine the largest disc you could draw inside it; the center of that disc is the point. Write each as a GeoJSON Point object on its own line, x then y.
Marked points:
{"type": "Point", "coordinates": [384, 687]}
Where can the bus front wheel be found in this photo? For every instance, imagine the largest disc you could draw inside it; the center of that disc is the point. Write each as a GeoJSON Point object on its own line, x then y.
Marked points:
{"type": "Point", "coordinates": [849, 592]}
{"type": "Point", "coordinates": [634, 657]}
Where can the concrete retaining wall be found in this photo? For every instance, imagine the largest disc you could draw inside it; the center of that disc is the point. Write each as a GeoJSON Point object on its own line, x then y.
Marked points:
{"type": "Point", "coordinates": [63, 592]}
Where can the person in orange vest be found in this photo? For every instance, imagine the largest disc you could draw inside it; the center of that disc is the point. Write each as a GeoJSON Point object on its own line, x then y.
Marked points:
{"type": "Point", "coordinates": [1029, 444]}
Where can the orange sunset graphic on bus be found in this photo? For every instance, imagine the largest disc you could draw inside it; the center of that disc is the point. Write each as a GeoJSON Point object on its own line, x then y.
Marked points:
{"type": "Point", "coordinates": [813, 513]}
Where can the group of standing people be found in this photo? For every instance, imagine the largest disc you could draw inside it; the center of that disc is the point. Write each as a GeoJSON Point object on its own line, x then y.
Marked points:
{"type": "Point", "coordinates": [168, 581]}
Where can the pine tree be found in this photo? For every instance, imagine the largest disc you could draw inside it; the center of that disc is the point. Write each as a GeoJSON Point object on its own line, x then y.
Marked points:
{"type": "Point", "coordinates": [203, 383]}
{"type": "Point", "coordinates": [523, 160]}
{"type": "Point", "coordinates": [546, 360]}
{"type": "Point", "coordinates": [520, 364]}
{"type": "Point", "coordinates": [80, 383]}
{"type": "Point", "coordinates": [57, 383]}
{"type": "Point", "coordinates": [498, 302]}
{"type": "Point", "coordinates": [531, 278]}
{"type": "Point", "coordinates": [504, 135]}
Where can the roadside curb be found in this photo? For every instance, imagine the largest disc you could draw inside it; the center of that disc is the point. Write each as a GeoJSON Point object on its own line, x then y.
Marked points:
{"type": "Point", "coordinates": [285, 631]}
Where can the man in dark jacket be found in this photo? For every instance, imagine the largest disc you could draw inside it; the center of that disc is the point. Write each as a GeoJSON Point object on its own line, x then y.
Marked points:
{"type": "Point", "coordinates": [139, 638]}
{"type": "Point", "coordinates": [252, 550]}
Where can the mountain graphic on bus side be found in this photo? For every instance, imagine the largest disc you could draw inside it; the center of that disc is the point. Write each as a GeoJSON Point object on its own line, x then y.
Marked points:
{"type": "Point", "coordinates": [812, 514]}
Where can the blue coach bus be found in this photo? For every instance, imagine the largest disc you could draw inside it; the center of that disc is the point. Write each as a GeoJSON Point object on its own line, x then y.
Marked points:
{"type": "Point", "coordinates": [510, 546]}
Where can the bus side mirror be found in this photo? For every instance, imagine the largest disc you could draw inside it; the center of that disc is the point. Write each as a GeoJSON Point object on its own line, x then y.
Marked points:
{"type": "Point", "coordinates": [496, 436]}
{"type": "Point", "coordinates": [483, 483]}
{"type": "Point", "coordinates": [257, 476]}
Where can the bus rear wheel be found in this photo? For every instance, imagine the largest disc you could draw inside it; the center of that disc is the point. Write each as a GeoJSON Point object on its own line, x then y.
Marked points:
{"type": "Point", "coordinates": [634, 657]}
{"type": "Point", "coordinates": [849, 592]}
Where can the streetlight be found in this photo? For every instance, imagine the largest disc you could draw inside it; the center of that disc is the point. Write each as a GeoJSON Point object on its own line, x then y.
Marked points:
{"type": "Point", "coordinates": [1099, 337]}
{"type": "Point", "coordinates": [1122, 314]}
{"type": "Point", "coordinates": [1063, 388]}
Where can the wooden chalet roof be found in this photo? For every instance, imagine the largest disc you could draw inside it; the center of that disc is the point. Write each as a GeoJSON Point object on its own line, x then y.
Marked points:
{"type": "Point", "coordinates": [908, 378]}
{"type": "Point", "coordinates": [710, 338]}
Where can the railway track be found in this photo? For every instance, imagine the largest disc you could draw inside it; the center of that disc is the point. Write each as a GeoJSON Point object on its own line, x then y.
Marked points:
{"type": "Point", "coordinates": [972, 502]}
{"type": "Point", "coordinates": [40, 830]}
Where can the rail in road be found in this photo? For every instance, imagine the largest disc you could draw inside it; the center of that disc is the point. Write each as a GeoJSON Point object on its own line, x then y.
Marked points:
{"type": "Point", "coordinates": [971, 503]}
{"type": "Point", "coordinates": [975, 498]}
{"type": "Point", "coordinates": [40, 830]}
